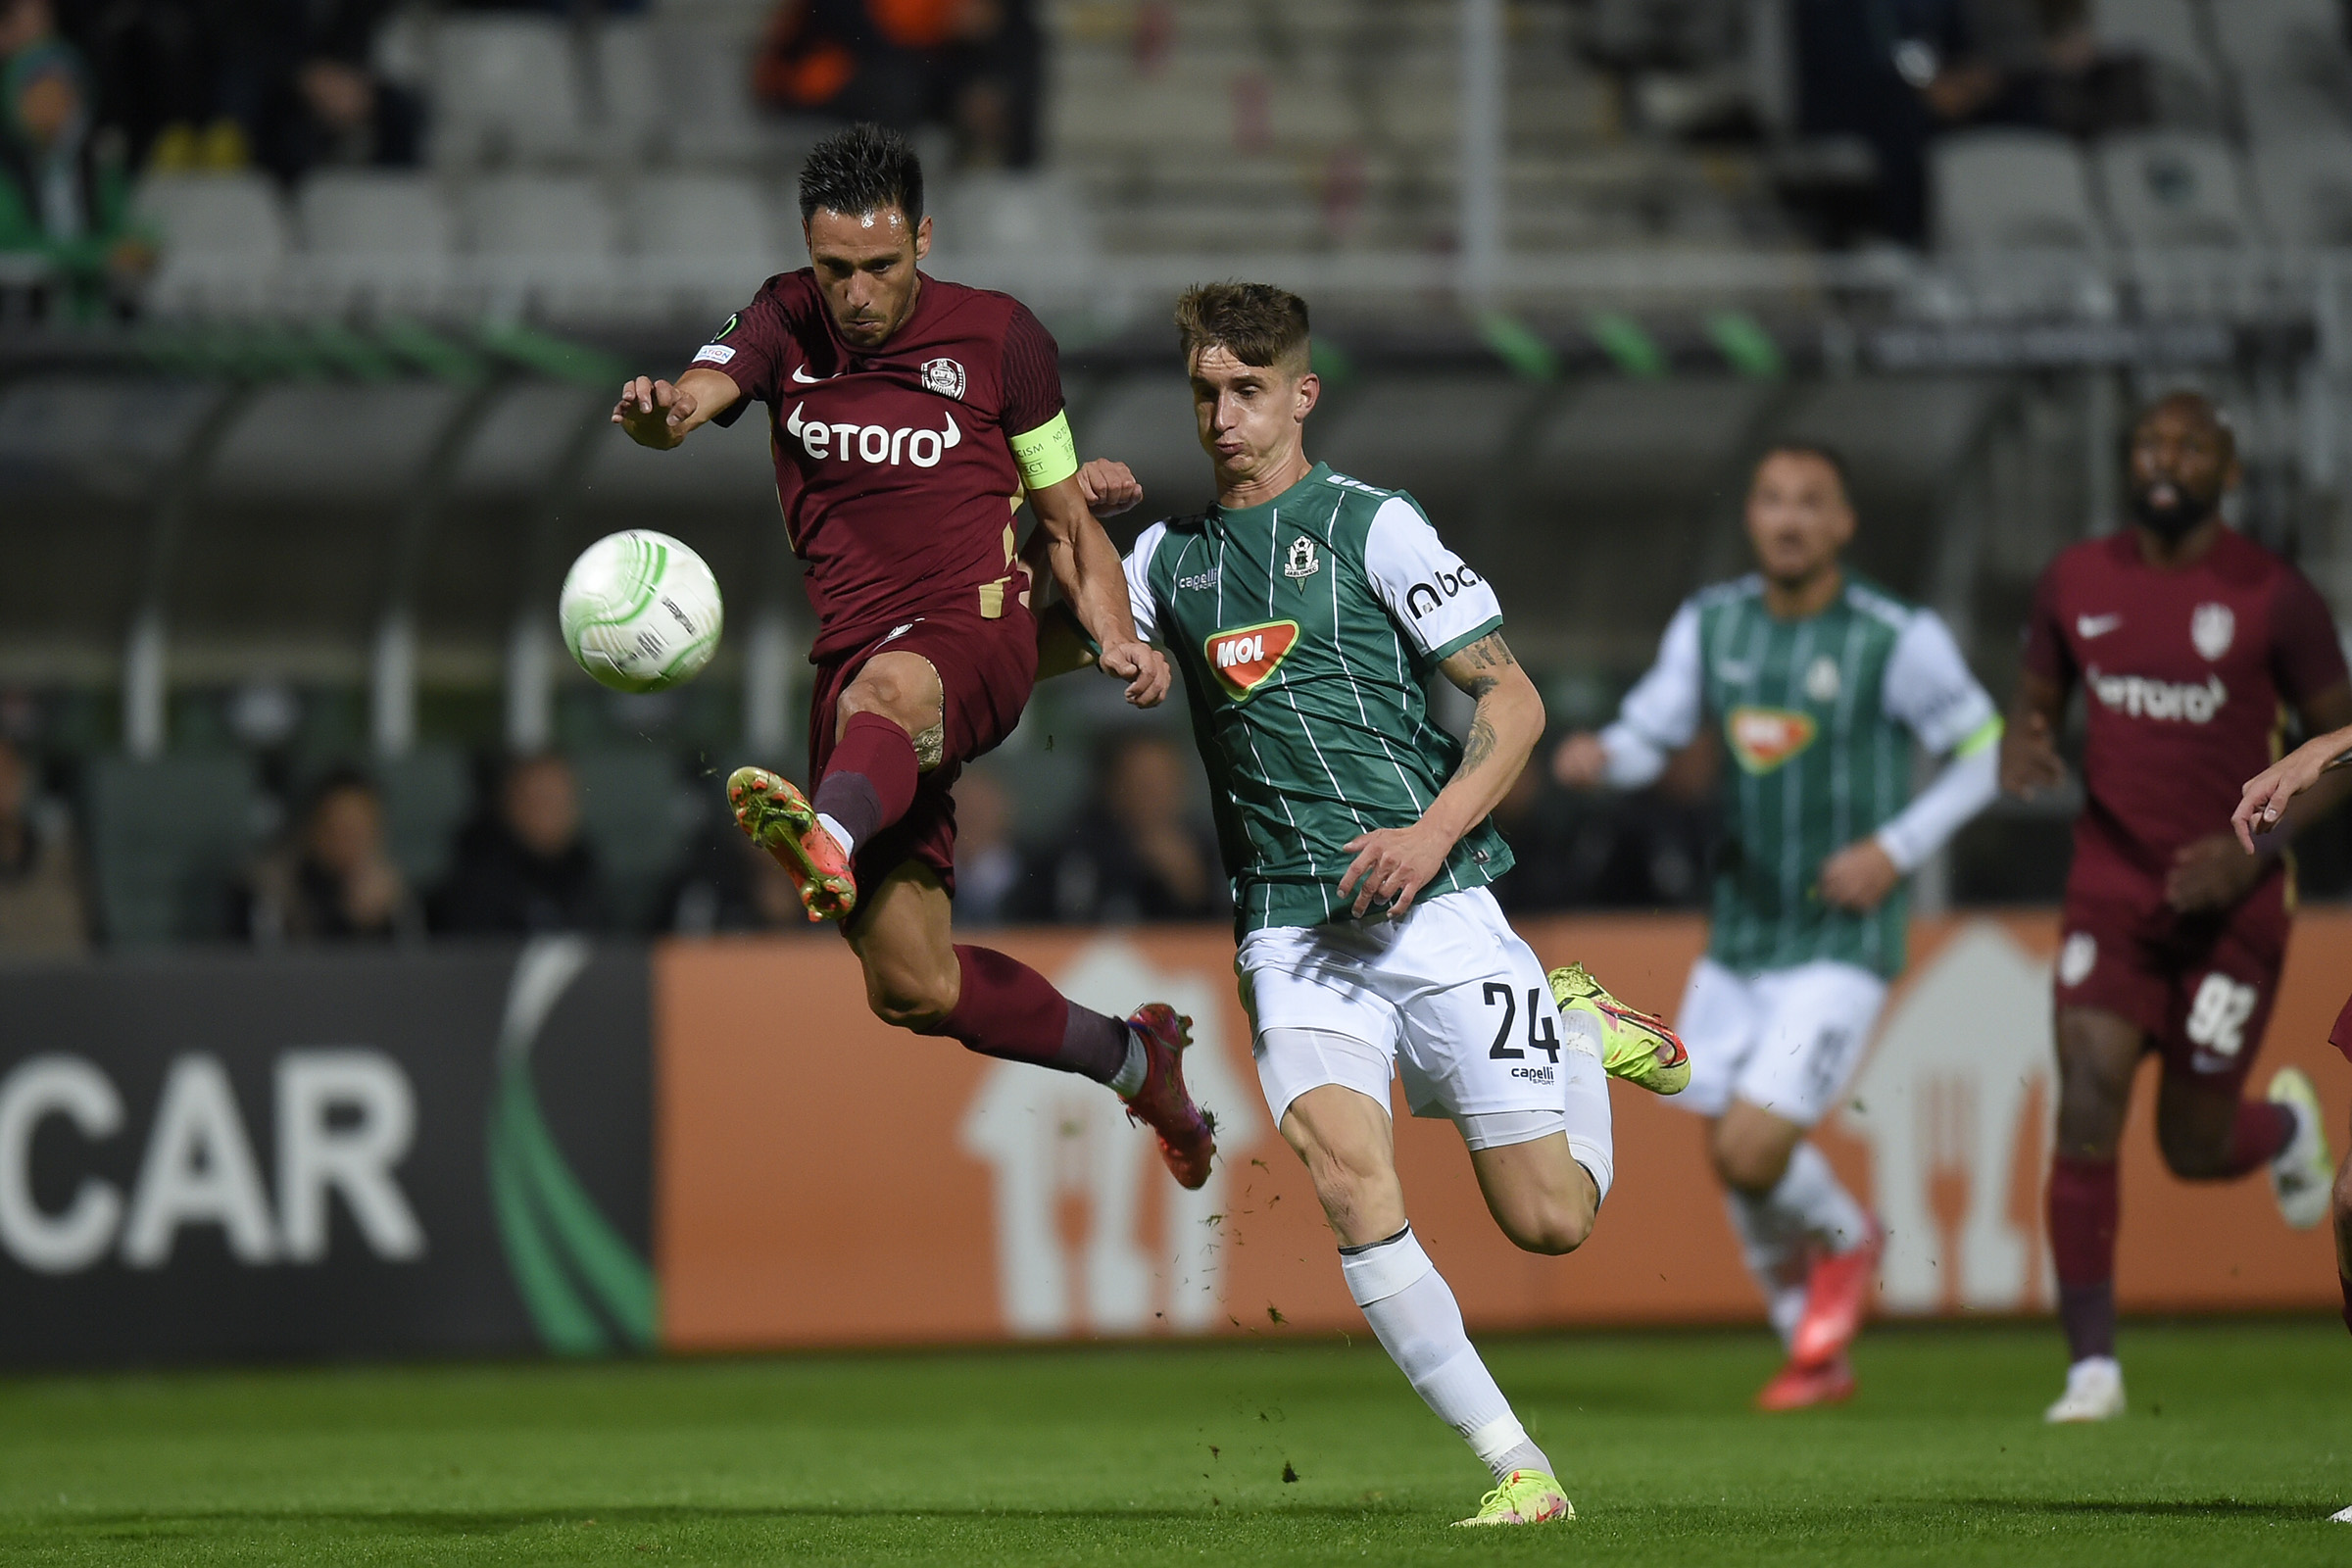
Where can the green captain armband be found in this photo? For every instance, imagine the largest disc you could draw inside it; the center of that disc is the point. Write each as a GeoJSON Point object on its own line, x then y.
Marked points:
{"type": "Point", "coordinates": [1047, 454]}
{"type": "Point", "coordinates": [1987, 734]}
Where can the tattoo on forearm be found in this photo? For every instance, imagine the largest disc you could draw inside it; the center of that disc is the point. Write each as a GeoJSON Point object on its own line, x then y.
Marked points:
{"type": "Point", "coordinates": [1476, 748]}
{"type": "Point", "coordinates": [1480, 686]}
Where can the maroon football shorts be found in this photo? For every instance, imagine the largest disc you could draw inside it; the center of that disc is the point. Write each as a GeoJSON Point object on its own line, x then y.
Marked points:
{"type": "Point", "coordinates": [2199, 985]}
{"type": "Point", "coordinates": [2340, 1036]}
{"type": "Point", "coordinates": [987, 668]}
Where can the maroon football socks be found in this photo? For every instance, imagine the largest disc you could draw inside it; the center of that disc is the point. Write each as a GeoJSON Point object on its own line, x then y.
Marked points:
{"type": "Point", "coordinates": [1009, 1010]}
{"type": "Point", "coordinates": [2262, 1131]}
{"type": "Point", "coordinates": [2083, 1206]}
{"type": "Point", "coordinates": [869, 781]}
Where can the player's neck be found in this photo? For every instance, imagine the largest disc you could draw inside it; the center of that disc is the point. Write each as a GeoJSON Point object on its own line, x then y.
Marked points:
{"type": "Point", "coordinates": [1806, 597]}
{"type": "Point", "coordinates": [2170, 554]}
{"type": "Point", "coordinates": [1236, 492]}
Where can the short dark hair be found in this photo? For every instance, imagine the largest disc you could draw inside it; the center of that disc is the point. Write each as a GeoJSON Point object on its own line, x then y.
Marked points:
{"type": "Point", "coordinates": [1820, 451]}
{"type": "Point", "coordinates": [1258, 323]}
{"type": "Point", "coordinates": [862, 169]}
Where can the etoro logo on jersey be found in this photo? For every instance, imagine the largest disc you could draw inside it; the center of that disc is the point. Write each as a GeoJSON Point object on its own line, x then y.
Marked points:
{"type": "Point", "coordinates": [1764, 738]}
{"type": "Point", "coordinates": [1244, 659]}
{"type": "Point", "coordinates": [873, 442]}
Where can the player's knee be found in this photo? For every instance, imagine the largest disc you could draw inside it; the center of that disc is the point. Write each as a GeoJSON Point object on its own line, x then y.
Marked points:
{"type": "Point", "coordinates": [1749, 1165]}
{"type": "Point", "coordinates": [906, 1001]}
{"type": "Point", "coordinates": [1553, 1230]}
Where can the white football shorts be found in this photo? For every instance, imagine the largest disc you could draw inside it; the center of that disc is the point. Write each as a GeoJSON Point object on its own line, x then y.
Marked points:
{"type": "Point", "coordinates": [1450, 1001]}
{"type": "Point", "coordinates": [1786, 1040]}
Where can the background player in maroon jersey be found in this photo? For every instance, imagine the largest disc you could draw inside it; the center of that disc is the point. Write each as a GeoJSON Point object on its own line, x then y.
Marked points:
{"type": "Point", "coordinates": [908, 416]}
{"type": "Point", "coordinates": [2315, 777]}
{"type": "Point", "coordinates": [2187, 637]}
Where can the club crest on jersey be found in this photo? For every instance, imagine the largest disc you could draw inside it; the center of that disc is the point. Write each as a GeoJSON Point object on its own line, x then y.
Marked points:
{"type": "Point", "coordinates": [2212, 627]}
{"type": "Point", "coordinates": [1822, 680]}
{"type": "Point", "coordinates": [1303, 562]}
{"type": "Point", "coordinates": [1764, 738]}
{"type": "Point", "coordinates": [1245, 659]}
{"type": "Point", "coordinates": [942, 377]}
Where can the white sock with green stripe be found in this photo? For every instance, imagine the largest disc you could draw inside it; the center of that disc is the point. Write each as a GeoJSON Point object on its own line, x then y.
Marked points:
{"type": "Point", "coordinates": [1413, 1313]}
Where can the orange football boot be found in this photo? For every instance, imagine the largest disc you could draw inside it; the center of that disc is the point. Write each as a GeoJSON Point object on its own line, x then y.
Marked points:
{"type": "Point", "coordinates": [779, 819]}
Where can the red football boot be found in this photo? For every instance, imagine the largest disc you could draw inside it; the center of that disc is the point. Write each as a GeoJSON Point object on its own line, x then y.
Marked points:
{"type": "Point", "coordinates": [779, 819]}
{"type": "Point", "coordinates": [1800, 1388]}
{"type": "Point", "coordinates": [1835, 1297]}
{"type": "Point", "coordinates": [1188, 1135]}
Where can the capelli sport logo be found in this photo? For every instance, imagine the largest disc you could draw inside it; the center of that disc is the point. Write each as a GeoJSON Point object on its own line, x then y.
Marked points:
{"type": "Point", "coordinates": [1243, 659]}
{"type": "Point", "coordinates": [1423, 597]}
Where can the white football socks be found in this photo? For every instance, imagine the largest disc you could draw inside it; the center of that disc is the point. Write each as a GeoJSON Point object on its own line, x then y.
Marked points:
{"type": "Point", "coordinates": [840, 835]}
{"type": "Point", "coordinates": [1130, 1076]}
{"type": "Point", "coordinates": [1418, 1322]}
{"type": "Point", "coordinates": [1806, 1205]}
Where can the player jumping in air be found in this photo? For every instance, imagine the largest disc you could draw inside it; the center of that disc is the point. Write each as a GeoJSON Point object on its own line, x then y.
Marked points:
{"type": "Point", "coordinates": [1306, 609]}
{"type": "Point", "coordinates": [2186, 637]}
{"type": "Point", "coordinates": [908, 415]}
{"type": "Point", "coordinates": [1820, 682]}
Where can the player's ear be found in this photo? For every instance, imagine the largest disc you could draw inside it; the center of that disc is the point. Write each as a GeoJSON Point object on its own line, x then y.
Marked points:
{"type": "Point", "coordinates": [922, 237]}
{"type": "Point", "coordinates": [1310, 392]}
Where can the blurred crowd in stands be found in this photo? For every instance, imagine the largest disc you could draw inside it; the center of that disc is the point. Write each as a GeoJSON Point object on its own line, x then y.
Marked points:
{"type": "Point", "coordinates": [1138, 849]}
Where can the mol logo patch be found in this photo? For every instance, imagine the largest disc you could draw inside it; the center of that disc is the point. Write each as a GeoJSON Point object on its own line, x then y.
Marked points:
{"type": "Point", "coordinates": [1244, 659]}
{"type": "Point", "coordinates": [1764, 738]}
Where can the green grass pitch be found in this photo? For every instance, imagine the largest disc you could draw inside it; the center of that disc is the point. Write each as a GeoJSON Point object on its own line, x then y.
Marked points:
{"type": "Point", "coordinates": [2238, 1446]}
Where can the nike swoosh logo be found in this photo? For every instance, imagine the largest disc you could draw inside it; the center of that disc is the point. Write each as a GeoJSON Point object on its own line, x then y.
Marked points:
{"type": "Point", "coordinates": [2090, 627]}
{"type": "Point", "coordinates": [800, 373]}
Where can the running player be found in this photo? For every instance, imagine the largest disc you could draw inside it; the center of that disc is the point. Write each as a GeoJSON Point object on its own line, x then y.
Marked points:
{"type": "Point", "coordinates": [907, 417]}
{"type": "Point", "coordinates": [1306, 609]}
{"type": "Point", "coordinates": [2186, 637]}
{"type": "Point", "coordinates": [1819, 681]}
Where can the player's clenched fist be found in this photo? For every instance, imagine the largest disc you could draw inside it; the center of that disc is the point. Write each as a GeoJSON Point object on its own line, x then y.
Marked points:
{"type": "Point", "coordinates": [1143, 666]}
{"type": "Point", "coordinates": [1109, 487]}
{"type": "Point", "coordinates": [652, 411]}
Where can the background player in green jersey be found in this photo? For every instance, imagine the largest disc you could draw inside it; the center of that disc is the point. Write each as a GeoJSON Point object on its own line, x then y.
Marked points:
{"type": "Point", "coordinates": [1306, 610]}
{"type": "Point", "coordinates": [1819, 681]}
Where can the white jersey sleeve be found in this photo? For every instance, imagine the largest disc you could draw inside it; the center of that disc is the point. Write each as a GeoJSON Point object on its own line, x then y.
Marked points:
{"type": "Point", "coordinates": [1930, 691]}
{"type": "Point", "coordinates": [1140, 602]}
{"type": "Point", "coordinates": [1440, 604]}
{"type": "Point", "coordinates": [1661, 713]}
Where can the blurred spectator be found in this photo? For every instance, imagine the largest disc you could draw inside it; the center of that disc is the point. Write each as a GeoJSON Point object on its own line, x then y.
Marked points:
{"type": "Point", "coordinates": [42, 912]}
{"type": "Point", "coordinates": [975, 66]}
{"type": "Point", "coordinates": [525, 868]}
{"type": "Point", "coordinates": [331, 880]}
{"type": "Point", "coordinates": [65, 193]}
{"type": "Point", "coordinates": [1133, 854]}
{"type": "Point", "coordinates": [731, 884]}
{"type": "Point", "coordinates": [296, 76]}
{"type": "Point", "coordinates": [988, 863]}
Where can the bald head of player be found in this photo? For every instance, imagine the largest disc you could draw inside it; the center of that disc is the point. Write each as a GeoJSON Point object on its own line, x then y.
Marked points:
{"type": "Point", "coordinates": [862, 214]}
{"type": "Point", "coordinates": [1800, 522]}
{"type": "Point", "coordinates": [1249, 360]}
{"type": "Point", "coordinates": [2183, 461]}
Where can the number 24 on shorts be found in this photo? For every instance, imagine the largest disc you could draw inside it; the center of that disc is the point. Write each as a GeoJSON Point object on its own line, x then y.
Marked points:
{"type": "Point", "coordinates": [2218, 1015]}
{"type": "Point", "coordinates": [1548, 1042]}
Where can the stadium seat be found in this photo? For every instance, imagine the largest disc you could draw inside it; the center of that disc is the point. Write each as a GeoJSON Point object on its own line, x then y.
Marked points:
{"type": "Point", "coordinates": [375, 236]}
{"type": "Point", "coordinates": [702, 243]}
{"type": "Point", "coordinates": [506, 87]}
{"type": "Point", "coordinates": [2293, 63]}
{"type": "Point", "coordinates": [2306, 190]}
{"type": "Point", "coordinates": [629, 108]}
{"type": "Point", "coordinates": [224, 240]}
{"type": "Point", "coordinates": [552, 238]}
{"type": "Point", "coordinates": [163, 875]}
{"type": "Point", "coordinates": [428, 796]}
{"type": "Point", "coordinates": [1458, 471]}
{"type": "Point", "coordinates": [2012, 190]}
{"type": "Point", "coordinates": [636, 813]}
{"type": "Point", "coordinates": [2174, 189]}
{"type": "Point", "coordinates": [2187, 82]}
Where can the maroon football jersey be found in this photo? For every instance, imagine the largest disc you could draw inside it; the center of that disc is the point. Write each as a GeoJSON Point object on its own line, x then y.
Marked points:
{"type": "Point", "coordinates": [2184, 671]}
{"type": "Point", "coordinates": [895, 467]}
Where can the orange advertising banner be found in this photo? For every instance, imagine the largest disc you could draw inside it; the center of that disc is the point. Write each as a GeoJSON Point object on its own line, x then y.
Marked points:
{"type": "Point", "coordinates": [824, 1180]}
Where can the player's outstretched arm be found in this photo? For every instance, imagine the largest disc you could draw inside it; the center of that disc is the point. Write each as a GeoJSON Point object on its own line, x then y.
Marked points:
{"type": "Point", "coordinates": [1087, 571]}
{"type": "Point", "coordinates": [2269, 792]}
{"type": "Point", "coordinates": [1392, 864]}
{"type": "Point", "coordinates": [662, 414]}
{"type": "Point", "coordinates": [1659, 717]}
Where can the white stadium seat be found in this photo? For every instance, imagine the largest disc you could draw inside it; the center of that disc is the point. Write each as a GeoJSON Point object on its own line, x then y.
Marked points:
{"type": "Point", "coordinates": [683, 215]}
{"type": "Point", "coordinates": [224, 240]}
{"type": "Point", "coordinates": [376, 236]}
{"type": "Point", "coordinates": [2306, 190]}
{"type": "Point", "coordinates": [2293, 65]}
{"type": "Point", "coordinates": [541, 218]}
{"type": "Point", "coordinates": [506, 87]}
{"type": "Point", "coordinates": [2013, 190]}
{"type": "Point", "coordinates": [2174, 189]}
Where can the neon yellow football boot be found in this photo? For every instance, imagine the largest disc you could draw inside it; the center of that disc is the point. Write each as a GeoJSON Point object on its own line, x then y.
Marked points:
{"type": "Point", "coordinates": [1634, 1045]}
{"type": "Point", "coordinates": [1525, 1497]}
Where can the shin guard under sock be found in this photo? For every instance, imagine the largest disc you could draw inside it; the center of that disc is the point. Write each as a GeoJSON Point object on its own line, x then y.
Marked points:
{"type": "Point", "coordinates": [2083, 1206]}
{"type": "Point", "coordinates": [870, 779]}
{"type": "Point", "coordinates": [1007, 1010]}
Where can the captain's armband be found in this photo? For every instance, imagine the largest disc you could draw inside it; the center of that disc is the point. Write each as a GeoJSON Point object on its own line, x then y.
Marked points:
{"type": "Point", "coordinates": [1047, 454]}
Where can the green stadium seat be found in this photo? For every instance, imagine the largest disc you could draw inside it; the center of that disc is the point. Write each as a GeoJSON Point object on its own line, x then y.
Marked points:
{"type": "Point", "coordinates": [168, 841]}
{"type": "Point", "coordinates": [428, 796]}
{"type": "Point", "coordinates": [636, 814]}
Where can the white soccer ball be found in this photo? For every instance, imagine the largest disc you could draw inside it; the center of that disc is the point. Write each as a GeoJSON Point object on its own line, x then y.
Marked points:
{"type": "Point", "coordinates": [640, 612]}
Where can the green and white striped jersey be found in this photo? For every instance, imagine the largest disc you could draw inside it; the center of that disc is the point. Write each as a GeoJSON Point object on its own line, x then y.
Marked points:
{"type": "Point", "coordinates": [1304, 628]}
{"type": "Point", "coordinates": [1817, 716]}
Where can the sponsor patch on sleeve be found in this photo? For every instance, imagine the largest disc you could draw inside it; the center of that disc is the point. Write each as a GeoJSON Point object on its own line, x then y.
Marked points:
{"type": "Point", "coordinates": [713, 353]}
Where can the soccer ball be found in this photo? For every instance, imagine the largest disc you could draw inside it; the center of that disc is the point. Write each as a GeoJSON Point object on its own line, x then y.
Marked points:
{"type": "Point", "coordinates": [640, 612]}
